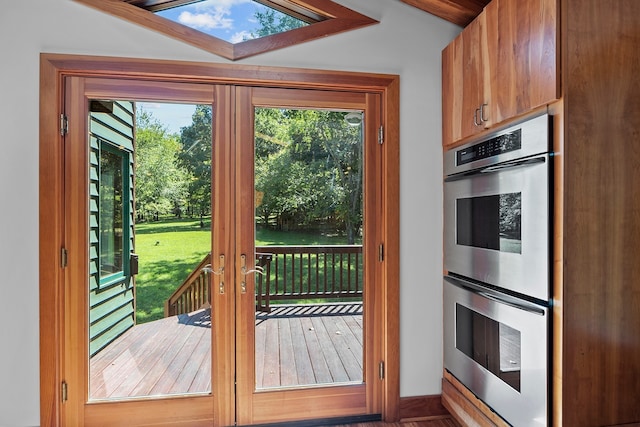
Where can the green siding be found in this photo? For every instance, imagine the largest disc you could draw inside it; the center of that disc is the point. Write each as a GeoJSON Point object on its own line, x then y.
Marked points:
{"type": "Point", "coordinates": [116, 321]}
{"type": "Point", "coordinates": [107, 294]}
{"type": "Point", "coordinates": [116, 127]}
{"type": "Point", "coordinates": [111, 310]}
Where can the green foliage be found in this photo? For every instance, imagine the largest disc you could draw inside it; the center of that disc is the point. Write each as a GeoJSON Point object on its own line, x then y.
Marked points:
{"type": "Point", "coordinates": [274, 22]}
{"type": "Point", "coordinates": [160, 182]}
{"type": "Point", "coordinates": [510, 211]}
{"type": "Point", "coordinates": [308, 169]}
{"type": "Point", "coordinates": [195, 158]}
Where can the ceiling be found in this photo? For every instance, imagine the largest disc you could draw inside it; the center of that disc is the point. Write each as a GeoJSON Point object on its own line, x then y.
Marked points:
{"type": "Point", "coordinates": [460, 12]}
{"type": "Point", "coordinates": [325, 18]}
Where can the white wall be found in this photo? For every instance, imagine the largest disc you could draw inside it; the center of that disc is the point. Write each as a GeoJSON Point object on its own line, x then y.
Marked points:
{"type": "Point", "coordinates": [407, 42]}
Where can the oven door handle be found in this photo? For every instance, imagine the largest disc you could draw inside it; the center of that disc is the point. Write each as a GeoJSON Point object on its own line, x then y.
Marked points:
{"type": "Point", "coordinates": [496, 296]}
{"type": "Point", "coordinates": [498, 168]}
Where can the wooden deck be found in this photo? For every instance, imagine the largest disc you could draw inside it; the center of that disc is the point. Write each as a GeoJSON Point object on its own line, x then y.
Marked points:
{"type": "Point", "coordinates": [309, 345]}
{"type": "Point", "coordinates": [167, 356]}
{"type": "Point", "coordinates": [295, 345]}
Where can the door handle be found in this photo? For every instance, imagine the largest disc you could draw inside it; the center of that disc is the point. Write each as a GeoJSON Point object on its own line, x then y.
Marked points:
{"type": "Point", "coordinates": [482, 119]}
{"type": "Point", "coordinates": [243, 270]}
{"type": "Point", "coordinates": [220, 272]}
{"type": "Point", "coordinates": [475, 117]}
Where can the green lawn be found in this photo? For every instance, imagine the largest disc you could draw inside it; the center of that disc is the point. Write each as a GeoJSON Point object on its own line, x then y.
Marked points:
{"type": "Point", "coordinates": [170, 249]}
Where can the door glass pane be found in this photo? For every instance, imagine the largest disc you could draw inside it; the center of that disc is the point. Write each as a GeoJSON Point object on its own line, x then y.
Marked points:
{"type": "Point", "coordinates": [149, 243]}
{"type": "Point", "coordinates": [309, 217]}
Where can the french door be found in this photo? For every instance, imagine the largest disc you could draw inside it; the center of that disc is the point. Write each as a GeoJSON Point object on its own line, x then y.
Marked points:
{"type": "Point", "coordinates": [217, 362]}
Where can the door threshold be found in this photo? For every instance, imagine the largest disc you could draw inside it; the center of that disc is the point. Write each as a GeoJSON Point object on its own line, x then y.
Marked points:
{"type": "Point", "coordinates": [321, 422]}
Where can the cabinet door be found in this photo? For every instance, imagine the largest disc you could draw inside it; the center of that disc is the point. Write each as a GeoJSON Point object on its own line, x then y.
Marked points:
{"type": "Point", "coordinates": [452, 92]}
{"type": "Point", "coordinates": [465, 79]}
{"type": "Point", "coordinates": [521, 39]}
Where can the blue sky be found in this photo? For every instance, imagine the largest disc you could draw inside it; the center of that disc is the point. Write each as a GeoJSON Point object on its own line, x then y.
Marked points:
{"type": "Point", "coordinates": [229, 20]}
{"type": "Point", "coordinates": [171, 116]}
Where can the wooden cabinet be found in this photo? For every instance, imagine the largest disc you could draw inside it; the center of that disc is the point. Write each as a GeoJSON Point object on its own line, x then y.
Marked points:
{"type": "Point", "coordinates": [596, 219]}
{"type": "Point", "coordinates": [465, 80]}
{"type": "Point", "coordinates": [521, 37]}
{"type": "Point", "coordinates": [501, 66]}
{"type": "Point", "coordinates": [597, 234]}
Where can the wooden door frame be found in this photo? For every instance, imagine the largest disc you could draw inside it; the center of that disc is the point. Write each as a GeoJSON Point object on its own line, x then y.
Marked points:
{"type": "Point", "coordinates": [53, 70]}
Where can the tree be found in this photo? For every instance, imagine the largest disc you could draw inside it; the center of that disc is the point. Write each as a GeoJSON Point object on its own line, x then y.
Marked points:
{"type": "Point", "coordinates": [343, 143]}
{"type": "Point", "coordinates": [160, 181]}
{"type": "Point", "coordinates": [292, 191]}
{"type": "Point", "coordinates": [339, 145]}
{"type": "Point", "coordinates": [309, 168]}
{"type": "Point", "coordinates": [195, 158]}
{"type": "Point", "coordinates": [274, 22]}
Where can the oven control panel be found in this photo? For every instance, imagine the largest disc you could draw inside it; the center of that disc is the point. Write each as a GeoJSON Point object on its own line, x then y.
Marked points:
{"type": "Point", "coordinates": [491, 147]}
{"type": "Point", "coordinates": [528, 138]}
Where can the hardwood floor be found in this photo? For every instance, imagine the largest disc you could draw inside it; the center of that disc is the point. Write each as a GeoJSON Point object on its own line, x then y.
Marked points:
{"type": "Point", "coordinates": [441, 422]}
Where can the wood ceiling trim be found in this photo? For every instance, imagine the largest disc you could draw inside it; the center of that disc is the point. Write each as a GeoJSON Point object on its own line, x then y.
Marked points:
{"type": "Point", "coordinates": [156, 5]}
{"type": "Point", "coordinates": [339, 19]}
{"type": "Point", "coordinates": [459, 12]}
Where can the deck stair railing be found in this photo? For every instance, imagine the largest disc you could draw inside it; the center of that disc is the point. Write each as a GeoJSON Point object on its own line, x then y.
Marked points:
{"type": "Point", "coordinates": [288, 273]}
{"type": "Point", "coordinates": [193, 294]}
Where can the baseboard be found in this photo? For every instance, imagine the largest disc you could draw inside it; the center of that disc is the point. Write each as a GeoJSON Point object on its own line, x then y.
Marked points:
{"type": "Point", "coordinates": [422, 408]}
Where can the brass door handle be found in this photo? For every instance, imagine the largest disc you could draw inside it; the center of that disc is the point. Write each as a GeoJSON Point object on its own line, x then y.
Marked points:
{"type": "Point", "coordinates": [243, 270]}
{"type": "Point", "coordinates": [220, 272]}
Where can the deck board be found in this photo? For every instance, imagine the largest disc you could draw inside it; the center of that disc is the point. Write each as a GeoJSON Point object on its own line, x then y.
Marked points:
{"type": "Point", "coordinates": [148, 359]}
{"type": "Point", "coordinates": [304, 367]}
{"type": "Point", "coordinates": [336, 367]}
{"type": "Point", "coordinates": [320, 367]}
{"type": "Point", "coordinates": [295, 345]}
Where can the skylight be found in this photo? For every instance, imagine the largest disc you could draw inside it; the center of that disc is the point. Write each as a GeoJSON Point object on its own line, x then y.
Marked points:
{"type": "Point", "coordinates": [234, 21]}
{"type": "Point", "coordinates": [236, 29]}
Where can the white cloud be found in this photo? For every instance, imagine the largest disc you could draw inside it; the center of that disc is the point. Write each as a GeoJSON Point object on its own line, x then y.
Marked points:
{"type": "Point", "coordinates": [240, 36]}
{"type": "Point", "coordinates": [210, 14]}
{"type": "Point", "coordinates": [208, 21]}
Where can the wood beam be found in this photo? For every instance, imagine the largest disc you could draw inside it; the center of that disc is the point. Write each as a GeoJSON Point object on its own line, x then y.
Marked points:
{"type": "Point", "coordinates": [459, 12]}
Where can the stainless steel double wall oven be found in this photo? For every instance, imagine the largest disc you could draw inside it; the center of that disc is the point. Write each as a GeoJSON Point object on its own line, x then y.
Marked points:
{"type": "Point", "coordinates": [497, 241]}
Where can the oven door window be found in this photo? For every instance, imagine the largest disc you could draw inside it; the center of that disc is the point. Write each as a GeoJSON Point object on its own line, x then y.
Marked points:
{"type": "Point", "coordinates": [491, 344]}
{"type": "Point", "coordinates": [490, 222]}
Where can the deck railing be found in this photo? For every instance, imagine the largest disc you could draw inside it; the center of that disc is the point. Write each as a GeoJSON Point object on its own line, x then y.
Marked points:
{"type": "Point", "coordinates": [309, 272]}
{"type": "Point", "coordinates": [288, 273]}
{"type": "Point", "coordinates": [193, 294]}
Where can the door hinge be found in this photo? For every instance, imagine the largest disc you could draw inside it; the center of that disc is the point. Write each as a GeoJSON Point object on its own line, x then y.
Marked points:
{"type": "Point", "coordinates": [63, 391]}
{"type": "Point", "coordinates": [63, 257]}
{"type": "Point", "coordinates": [381, 252]}
{"type": "Point", "coordinates": [64, 125]}
{"type": "Point", "coordinates": [381, 135]}
{"type": "Point", "coordinates": [381, 371]}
